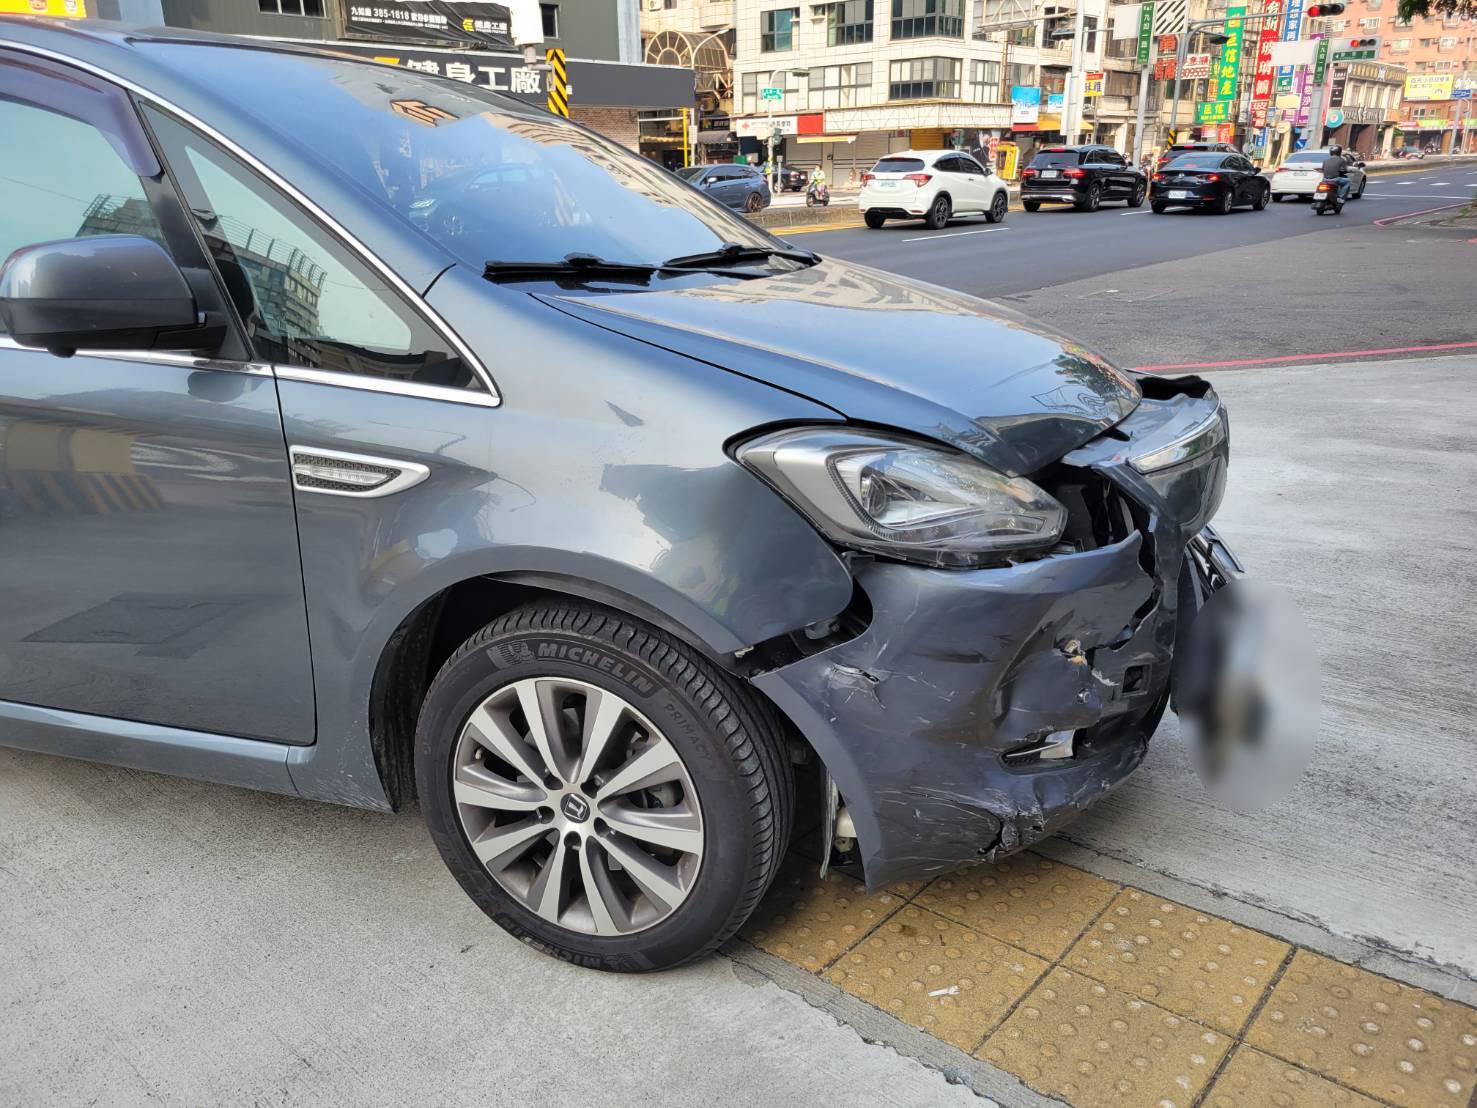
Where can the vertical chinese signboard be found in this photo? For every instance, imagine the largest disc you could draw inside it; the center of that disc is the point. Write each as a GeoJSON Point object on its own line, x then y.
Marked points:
{"type": "Point", "coordinates": [1146, 31]}
{"type": "Point", "coordinates": [1265, 78]}
{"type": "Point", "coordinates": [1220, 103]}
{"type": "Point", "coordinates": [1168, 49]}
{"type": "Point", "coordinates": [1292, 29]}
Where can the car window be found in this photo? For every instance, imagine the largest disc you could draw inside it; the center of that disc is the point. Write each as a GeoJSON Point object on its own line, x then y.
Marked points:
{"type": "Point", "coordinates": [691, 172]}
{"type": "Point", "coordinates": [724, 174]}
{"type": "Point", "coordinates": [1198, 161]}
{"type": "Point", "coordinates": [1053, 158]}
{"type": "Point", "coordinates": [969, 165]}
{"type": "Point", "coordinates": [948, 164]}
{"type": "Point", "coordinates": [1308, 156]}
{"type": "Point", "coordinates": [62, 179]}
{"type": "Point", "coordinates": [898, 165]}
{"type": "Point", "coordinates": [305, 299]}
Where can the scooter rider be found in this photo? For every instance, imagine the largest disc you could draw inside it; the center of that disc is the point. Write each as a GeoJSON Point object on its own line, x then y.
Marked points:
{"type": "Point", "coordinates": [817, 182]}
{"type": "Point", "coordinates": [1336, 168]}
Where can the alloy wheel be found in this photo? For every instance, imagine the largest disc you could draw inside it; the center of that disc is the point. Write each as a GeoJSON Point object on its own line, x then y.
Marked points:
{"type": "Point", "coordinates": [998, 207]}
{"type": "Point", "coordinates": [578, 806]}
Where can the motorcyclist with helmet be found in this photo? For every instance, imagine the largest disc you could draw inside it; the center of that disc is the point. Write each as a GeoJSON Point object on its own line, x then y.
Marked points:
{"type": "Point", "coordinates": [1336, 168]}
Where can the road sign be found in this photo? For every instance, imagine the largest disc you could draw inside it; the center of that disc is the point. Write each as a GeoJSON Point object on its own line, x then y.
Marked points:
{"type": "Point", "coordinates": [1461, 94]}
{"type": "Point", "coordinates": [1361, 48]}
{"type": "Point", "coordinates": [771, 93]}
{"type": "Point", "coordinates": [1146, 31]}
{"type": "Point", "coordinates": [1334, 118]}
{"type": "Point", "coordinates": [1320, 65]}
{"type": "Point", "coordinates": [558, 99]}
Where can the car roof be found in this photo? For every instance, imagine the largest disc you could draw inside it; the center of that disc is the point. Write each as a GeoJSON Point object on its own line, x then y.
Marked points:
{"type": "Point", "coordinates": [920, 153]}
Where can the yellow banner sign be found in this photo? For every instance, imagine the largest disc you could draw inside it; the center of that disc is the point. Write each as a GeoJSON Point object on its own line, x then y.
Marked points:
{"type": "Point", "coordinates": [1093, 84]}
{"type": "Point", "coordinates": [61, 9]}
{"type": "Point", "coordinates": [1429, 86]}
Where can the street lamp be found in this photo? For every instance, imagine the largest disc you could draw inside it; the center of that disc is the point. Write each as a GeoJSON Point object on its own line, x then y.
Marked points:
{"type": "Point", "coordinates": [769, 108]}
{"type": "Point", "coordinates": [1216, 38]}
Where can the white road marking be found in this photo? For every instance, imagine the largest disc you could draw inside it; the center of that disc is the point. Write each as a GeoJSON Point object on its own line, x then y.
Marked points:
{"type": "Point", "coordinates": [956, 234]}
{"type": "Point", "coordinates": [1136, 213]}
{"type": "Point", "coordinates": [1415, 196]}
{"type": "Point", "coordinates": [1439, 184]}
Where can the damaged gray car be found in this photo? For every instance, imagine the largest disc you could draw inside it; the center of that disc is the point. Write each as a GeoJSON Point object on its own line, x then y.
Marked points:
{"type": "Point", "coordinates": [377, 439]}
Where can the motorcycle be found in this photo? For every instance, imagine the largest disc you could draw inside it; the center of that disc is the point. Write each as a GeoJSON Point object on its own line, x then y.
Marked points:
{"type": "Point", "coordinates": [1326, 198]}
{"type": "Point", "coordinates": [1410, 152]}
{"type": "Point", "coordinates": [817, 193]}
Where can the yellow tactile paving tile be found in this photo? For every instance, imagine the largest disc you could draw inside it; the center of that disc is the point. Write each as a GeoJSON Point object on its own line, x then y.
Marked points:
{"type": "Point", "coordinates": [945, 979]}
{"type": "Point", "coordinates": [1029, 901]}
{"type": "Point", "coordinates": [1252, 1077]}
{"type": "Point", "coordinates": [1194, 964]}
{"type": "Point", "coordinates": [1394, 1042]}
{"type": "Point", "coordinates": [808, 920]}
{"type": "Point", "coordinates": [1090, 1045]}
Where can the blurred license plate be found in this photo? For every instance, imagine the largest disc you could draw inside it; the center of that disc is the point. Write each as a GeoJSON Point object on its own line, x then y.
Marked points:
{"type": "Point", "coordinates": [1179, 194]}
{"type": "Point", "coordinates": [887, 184]}
{"type": "Point", "coordinates": [1048, 173]}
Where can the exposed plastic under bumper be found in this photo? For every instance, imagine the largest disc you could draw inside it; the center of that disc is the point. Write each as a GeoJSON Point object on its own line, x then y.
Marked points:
{"type": "Point", "coordinates": [957, 669]}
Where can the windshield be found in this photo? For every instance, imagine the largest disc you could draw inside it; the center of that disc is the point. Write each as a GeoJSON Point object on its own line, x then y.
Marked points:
{"type": "Point", "coordinates": [484, 175]}
{"type": "Point", "coordinates": [1198, 161]}
{"type": "Point", "coordinates": [1055, 158]}
{"type": "Point", "coordinates": [688, 172]}
{"type": "Point", "coordinates": [898, 165]}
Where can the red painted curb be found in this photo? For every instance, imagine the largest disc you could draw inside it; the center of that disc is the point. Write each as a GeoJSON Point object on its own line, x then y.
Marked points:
{"type": "Point", "coordinates": [1324, 357]}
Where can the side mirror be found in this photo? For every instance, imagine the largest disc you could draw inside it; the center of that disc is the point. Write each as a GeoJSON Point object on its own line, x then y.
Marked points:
{"type": "Point", "coordinates": [102, 292]}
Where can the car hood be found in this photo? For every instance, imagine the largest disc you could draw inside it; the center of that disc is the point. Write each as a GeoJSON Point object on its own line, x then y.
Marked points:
{"type": "Point", "coordinates": [886, 350]}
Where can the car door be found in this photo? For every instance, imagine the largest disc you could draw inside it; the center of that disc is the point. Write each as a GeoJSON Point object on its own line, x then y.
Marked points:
{"type": "Point", "coordinates": [957, 182]}
{"type": "Point", "coordinates": [149, 558]}
{"type": "Point", "coordinates": [723, 185]}
{"type": "Point", "coordinates": [982, 189]}
{"type": "Point", "coordinates": [1243, 174]}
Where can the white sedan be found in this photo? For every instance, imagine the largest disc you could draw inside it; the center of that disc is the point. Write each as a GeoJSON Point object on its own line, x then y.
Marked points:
{"type": "Point", "coordinates": [1299, 174]}
{"type": "Point", "coordinates": [931, 185]}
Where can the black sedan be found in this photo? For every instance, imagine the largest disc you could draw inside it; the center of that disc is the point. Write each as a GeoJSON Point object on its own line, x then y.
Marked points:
{"type": "Point", "coordinates": [1212, 182]}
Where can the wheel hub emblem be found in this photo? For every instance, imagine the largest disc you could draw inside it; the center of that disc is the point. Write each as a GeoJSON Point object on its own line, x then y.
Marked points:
{"type": "Point", "coordinates": [576, 808]}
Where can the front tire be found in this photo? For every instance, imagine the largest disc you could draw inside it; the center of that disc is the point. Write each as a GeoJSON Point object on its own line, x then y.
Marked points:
{"type": "Point", "coordinates": [600, 789]}
{"type": "Point", "coordinates": [874, 220]}
{"type": "Point", "coordinates": [753, 203]}
{"type": "Point", "coordinates": [938, 215]}
{"type": "Point", "coordinates": [998, 207]}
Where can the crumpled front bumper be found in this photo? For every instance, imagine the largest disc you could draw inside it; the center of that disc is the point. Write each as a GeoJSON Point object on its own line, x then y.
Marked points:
{"type": "Point", "coordinates": [928, 720]}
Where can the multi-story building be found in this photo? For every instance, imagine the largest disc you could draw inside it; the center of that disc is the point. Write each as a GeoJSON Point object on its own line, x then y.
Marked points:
{"type": "Point", "coordinates": [612, 86]}
{"type": "Point", "coordinates": [859, 78]}
{"type": "Point", "coordinates": [1439, 55]}
{"type": "Point", "coordinates": [696, 34]}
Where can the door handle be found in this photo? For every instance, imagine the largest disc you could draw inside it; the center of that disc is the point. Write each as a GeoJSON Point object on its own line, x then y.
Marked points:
{"type": "Point", "coordinates": [336, 473]}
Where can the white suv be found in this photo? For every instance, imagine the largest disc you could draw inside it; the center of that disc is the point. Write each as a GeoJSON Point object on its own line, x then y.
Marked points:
{"type": "Point", "coordinates": [932, 185]}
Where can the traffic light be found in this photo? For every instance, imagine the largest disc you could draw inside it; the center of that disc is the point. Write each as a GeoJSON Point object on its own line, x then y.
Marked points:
{"type": "Point", "coordinates": [1363, 43]}
{"type": "Point", "coordinates": [1320, 11]}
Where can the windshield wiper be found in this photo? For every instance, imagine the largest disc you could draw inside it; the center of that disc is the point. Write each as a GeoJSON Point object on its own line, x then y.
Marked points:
{"type": "Point", "coordinates": [571, 266]}
{"type": "Point", "coordinates": [731, 252]}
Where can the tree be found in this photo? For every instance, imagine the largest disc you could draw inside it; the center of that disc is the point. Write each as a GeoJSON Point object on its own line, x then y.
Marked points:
{"type": "Point", "coordinates": [1412, 9]}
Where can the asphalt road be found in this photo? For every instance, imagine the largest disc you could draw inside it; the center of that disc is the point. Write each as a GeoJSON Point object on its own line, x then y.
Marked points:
{"type": "Point", "coordinates": [1187, 287]}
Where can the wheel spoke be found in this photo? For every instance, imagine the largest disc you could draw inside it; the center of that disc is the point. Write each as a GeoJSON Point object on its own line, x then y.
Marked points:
{"type": "Point", "coordinates": [475, 786]}
{"type": "Point", "coordinates": [673, 828]}
{"type": "Point", "coordinates": [546, 894]}
{"type": "Point", "coordinates": [499, 738]}
{"type": "Point", "coordinates": [656, 880]}
{"type": "Point", "coordinates": [603, 714]}
{"type": "Point", "coordinates": [537, 699]}
{"type": "Point", "coordinates": [656, 764]}
{"type": "Point", "coordinates": [600, 893]}
{"type": "Point", "coordinates": [499, 847]}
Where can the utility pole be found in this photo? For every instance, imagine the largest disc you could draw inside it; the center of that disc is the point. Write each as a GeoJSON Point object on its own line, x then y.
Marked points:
{"type": "Point", "coordinates": [1074, 98]}
{"type": "Point", "coordinates": [1137, 150]}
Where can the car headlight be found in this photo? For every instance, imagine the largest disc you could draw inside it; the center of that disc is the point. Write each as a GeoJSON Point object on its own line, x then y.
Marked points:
{"type": "Point", "coordinates": [908, 500]}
